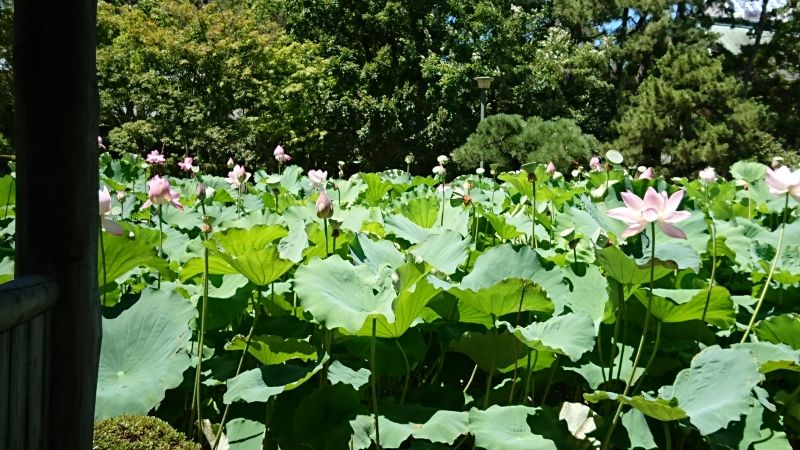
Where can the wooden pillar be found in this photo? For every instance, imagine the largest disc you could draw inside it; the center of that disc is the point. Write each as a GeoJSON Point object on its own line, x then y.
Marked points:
{"type": "Point", "coordinates": [57, 212]}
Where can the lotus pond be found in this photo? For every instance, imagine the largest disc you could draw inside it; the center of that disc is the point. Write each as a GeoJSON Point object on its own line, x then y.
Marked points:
{"type": "Point", "coordinates": [516, 310]}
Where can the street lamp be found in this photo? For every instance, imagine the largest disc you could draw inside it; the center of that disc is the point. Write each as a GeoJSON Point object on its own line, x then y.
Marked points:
{"type": "Point", "coordinates": [483, 86]}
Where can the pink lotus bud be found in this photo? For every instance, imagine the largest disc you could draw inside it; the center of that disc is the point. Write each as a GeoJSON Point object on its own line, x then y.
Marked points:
{"type": "Point", "coordinates": [100, 143]}
{"type": "Point", "coordinates": [161, 193]}
{"type": "Point", "coordinates": [594, 163]}
{"type": "Point", "coordinates": [648, 174]}
{"type": "Point", "coordinates": [104, 207]}
{"type": "Point", "coordinates": [324, 206]}
{"type": "Point", "coordinates": [155, 157]}
{"type": "Point", "coordinates": [200, 190]}
{"type": "Point", "coordinates": [551, 168]}
{"type": "Point", "coordinates": [104, 201]}
{"type": "Point", "coordinates": [230, 162]}
{"type": "Point", "coordinates": [120, 195]}
{"type": "Point", "coordinates": [278, 151]}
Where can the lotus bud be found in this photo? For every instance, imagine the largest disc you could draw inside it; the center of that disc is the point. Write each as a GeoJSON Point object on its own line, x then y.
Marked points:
{"type": "Point", "coordinates": [324, 206]}
{"type": "Point", "coordinates": [201, 191]}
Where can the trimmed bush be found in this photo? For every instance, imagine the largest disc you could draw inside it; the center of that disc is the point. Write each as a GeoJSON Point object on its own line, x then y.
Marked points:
{"type": "Point", "coordinates": [139, 433]}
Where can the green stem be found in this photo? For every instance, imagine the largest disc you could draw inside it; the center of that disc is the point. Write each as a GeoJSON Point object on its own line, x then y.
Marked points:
{"type": "Point", "coordinates": [667, 435]}
{"type": "Point", "coordinates": [771, 272]}
{"type": "Point", "coordinates": [198, 371]}
{"type": "Point", "coordinates": [533, 217]}
{"type": "Point", "coordinates": [607, 440]}
{"type": "Point", "coordinates": [256, 312]}
{"type": "Point", "coordinates": [325, 224]}
{"type": "Point", "coordinates": [530, 369]}
{"type": "Point", "coordinates": [408, 371]}
{"type": "Point", "coordinates": [160, 241]}
{"type": "Point", "coordinates": [441, 222]}
{"type": "Point", "coordinates": [652, 357]}
{"type": "Point", "coordinates": [8, 197]}
{"type": "Point", "coordinates": [375, 386]}
{"type": "Point", "coordinates": [616, 334]}
{"type": "Point", "coordinates": [103, 263]}
{"type": "Point", "coordinates": [471, 377]}
{"type": "Point", "coordinates": [550, 381]}
{"type": "Point", "coordinates": [516, 347]}
{"type": "Point", "coordinates": [713, 268]}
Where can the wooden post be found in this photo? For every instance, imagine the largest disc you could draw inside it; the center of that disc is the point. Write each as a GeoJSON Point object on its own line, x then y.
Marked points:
{"type": "Point", "coordinates": [57, 206]}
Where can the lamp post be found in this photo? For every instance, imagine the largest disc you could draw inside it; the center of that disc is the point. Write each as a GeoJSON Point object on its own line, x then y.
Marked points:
{"type": "Point", "coordinates": [483, 86]}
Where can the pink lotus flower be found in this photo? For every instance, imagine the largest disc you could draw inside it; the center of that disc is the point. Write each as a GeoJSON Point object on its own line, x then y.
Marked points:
{"type": "Point", "coordinates": [100, 143]}
{"type": "Point", "coordinates": [783, 181]}
{"type": "Point", "coordinates": [155, 157]}
{"type": "Point", "coordinates": [230, 162]}
{"type": "Point", "coordinates": [238, 177]}
{"type": "Point", "coordinates": [324, 205]}
{"type": "Point", "coordinates": [187, 164]}
{"type": "Point", "coordinates": [594, 163]}
{"type": "Point", "coordinates": [120, 195]}
{"type": "Point", "coordinates": [439, 170]}
{"type": "Point", "coordinates": [655, 207]}
{"type": "Point", "coordinates": [280, 155]}
{"type": "Point", "coordinates": [551, 168]}
{"type": "Point", "coordinates": [708, 175]}
{"type": "Point", "coordinates": [317, 178]}
{"type": "Point", "coordinates": [648, 174]}
{"type": "Point", "coordinates": [104, 204]}
{"type": "Point", "coordinates": [161, 193]}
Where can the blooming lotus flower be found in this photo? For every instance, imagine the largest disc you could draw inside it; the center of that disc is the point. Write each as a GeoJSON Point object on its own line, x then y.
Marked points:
{"type": "Point", "coordinates": [708, 175]}
{"type": "Point", "coordinates": [187, 164]}
{"type": "Point", "coordinates": [238, 177]}
{"type": "Point", "coordinates": [104, 204]}
{"type": "Point", "coordinates": [777, 161]}
{"type": "Point", "coordinates": [161, 193]}
{"type": "Point", "coordinates": [278, 151]}
{"type": "Point", "coordinates": [783, 181]}
{"type": "Point", "coordinates": [155, 157]}
{"type": "Point", "coordinates": [281, 156]}
{"type": "Point", "coordinates": [324, 205]}
{"type": "Point", "coordinates": [551, 168]}
{"type": "Point", "coordinates": [648, 174]}
{"type": "Point", "coordinates": [655, 207]}
{"type": "Point", "coordinates": [317, 178]}
{"type": "Point", "coordinates": [442, 159]}
{"type": "Point", "coordinates": [439, 170]}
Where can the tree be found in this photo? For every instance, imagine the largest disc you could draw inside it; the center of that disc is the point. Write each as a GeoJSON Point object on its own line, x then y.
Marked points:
{"type": "Point", "coordinates": [689, 113]}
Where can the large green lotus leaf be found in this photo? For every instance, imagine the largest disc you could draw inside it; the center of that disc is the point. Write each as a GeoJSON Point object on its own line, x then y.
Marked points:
{"type": "Point", "coordinates": [639, 433]}
{"type": "Point", "coordinates": [445, 251]}
{"type": "Point", "coordinates": [520, 183]}
{"type": "Point", "coordinates": [717, 388]}
{"type": "Point", "coordinates": [503, 229]}
{"type": "Point", "coordinates": [341, 295]}
{"type": "Point", "coordinates": [504, 298]}
{"type": "Point", "coordinates": [251, 252]}
{"type": "Point", "coordinates": [490, 351]}
{"type": "Point", "coordinates": [216, 266]}
{"type": "Point", "coordinates": [292, 246]}
{"type": "Point", "coordinates": [393, 434]}
{"type": "Point", "coordinates": [443, 426]}
{"type": "Point", "coordinates": [773, 357]}
{"type": "Point", "coordinates": [675, 255]}
{"type": "Point", "coordinates": [8, 193]}
{"type": "Point", "coordinates": [671, 306]}
{"type": "Point", "coordinates": [414, 291]}
{"type": "Point", "coordinates": [376, 190]}
{"type": "Point", "coordinates": [290, 179]}
{"type": "Point", "coordinates": [270, 350]}
{"type": "Point", "coordinates": [339, 373]}
{"type": "Point", "coordinates": [179, 247]}
{"type": "Point", "coordinates": [748, 171]}
{"type": "Point", "coordinates": [127, 252]}
{"type": "Point", "coordinates": [571, 334]}
{"type": "Point", "coordinates": [593, 374]}
{"type": "Point", "coordinates": [506, 428]}
{"type": "Point", "coordinates": [503, 262]}
{"type": "Point", "coordinates": [624, 269]}
{"type": "Point", "coordinates": [143, 354]}
{"type": "Point", "coordinates": [376, 253]}
{"type": "Point", "coordinates": [784, 329]}
{"type": "Point", "coordinates": [260, 384]}
{"type": "Point", "coordinates": [657, 408]}
{"type": "Point", "coordinates": [589, 292]}
{"type": "Point", "coordinates": [538, 361]}
{"type": "Point", "coordinates": [404, 228]}
{"type": "Point", "coordinates": [244, 434]}
{"type": "Point", "coordinates": [423, 211]}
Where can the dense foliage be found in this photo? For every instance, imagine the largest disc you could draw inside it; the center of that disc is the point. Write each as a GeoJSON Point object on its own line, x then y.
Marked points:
{"type": "Point", "coordinates": [509, 312]}
{"type": "Point", "coordinates": [138, 433]}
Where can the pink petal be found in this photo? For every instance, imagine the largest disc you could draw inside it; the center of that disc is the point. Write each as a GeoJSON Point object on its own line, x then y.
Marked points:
{"type": "Point", "coordinates": [632, 200]}
{"type": "Point", "coordinates": [650, 215]}
{"type": "Point", "coordinates": [673, 202]}
{"type": "Point", "coordinates": [654, 200]}
{"type": "Point", "coordinates": [672, 230]}
{"type": "Point", "coordinates": [676, 216]}
{"type": "Point", "coordinates": [626, 215]}
{"type": "Point", "coordinates": [633, 230]}
{"type": "Point", "coordinates": [111, 226]}
{"type": "Point", "coordinates": [146, 205]}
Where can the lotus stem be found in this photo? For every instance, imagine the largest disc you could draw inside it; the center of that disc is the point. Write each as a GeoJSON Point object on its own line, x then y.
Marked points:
{"type": "Point", "coordinates": [636, 358]}
{"type": "Point", "coordinates": [771, 272]}
{"type": "Point", "coordinates": [441, 222]}
{"type": "Point", "coordinates": [516, 347]}
{"type": "Point", "coordinates": [374, 386]}
{"type": "Point", "coordinates": [325, 228]}
{"type": "Point", "coordinates": [8, 198]}
{"type": "Point", "coordinates": [616, 334]}
{"type": "Point", "coordinates": [408, 371]}
{"type": "Point", "coordinates": [198, 370]}
{"type": "Point", "coordinates": [713, 268]}
{"type": "Point", "coordinates": [529, 376]}
{"type": "Point", "coordinates": [160, 241]}
{"type": "Point", "coordinates": [103, 264]}
{"type": "Point", "coordinates": [549, 381]}
{"type": "Point", "coordinates": [533, 217]}
{"type": "Point", "coordinates": [471, 377]}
